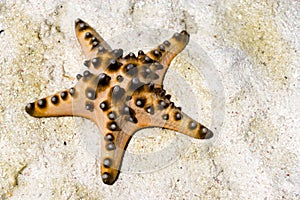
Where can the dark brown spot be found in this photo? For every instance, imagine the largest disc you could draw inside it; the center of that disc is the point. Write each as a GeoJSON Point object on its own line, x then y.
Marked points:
{"type": "Point", "coordinates": [55, 99]}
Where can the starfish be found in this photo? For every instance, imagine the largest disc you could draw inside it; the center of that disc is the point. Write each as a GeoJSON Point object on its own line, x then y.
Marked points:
{"type": "Point", "coordinates": [121, 95]}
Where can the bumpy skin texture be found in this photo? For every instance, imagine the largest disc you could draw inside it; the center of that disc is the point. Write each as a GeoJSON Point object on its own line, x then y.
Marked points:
{"type": "Point", "coordinates": [121, 94]}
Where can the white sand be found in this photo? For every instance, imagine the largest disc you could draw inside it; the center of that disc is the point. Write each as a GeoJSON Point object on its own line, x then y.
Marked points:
{"type": "Point", "coordinates": [239, 75]}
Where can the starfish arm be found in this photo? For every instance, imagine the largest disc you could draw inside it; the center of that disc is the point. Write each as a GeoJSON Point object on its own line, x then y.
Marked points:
{"type": "Point", "coordinates": [154, 109]}
{"type": "Point", "coordinates": [167, 51]}
{"type": "Point", "coordinates": [113, 149]}
{"type": "Point", "coordinates": [58, 105]}
{"type": "Point", "coordinates": [90, 41]}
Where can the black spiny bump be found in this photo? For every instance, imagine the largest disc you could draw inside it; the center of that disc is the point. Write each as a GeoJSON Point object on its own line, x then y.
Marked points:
{"type": "Point", "coordinates": [168, 96]}
{"type": "Point", "coordinates": [72, 91]}
{"type": "Point", "coordinates": [30, 108]}
{"type": "Point", "coordinates": [151, 86]}
{"type": "Point", "coordinates": [88, 35]}
{"type": "Point", "coordinates": [130, 56]}
{"type": "Point", "coordinates": [89, 106]}
{"type": "Point", "coordinates": [177, 36]}
{"type": "Point", "coordinates": [162, 104]}
{"type": "Point", "coordinates": [192, 125]}
{"type": "Point", "coordinates": [107, 162]}
{"type": "Point", "coordinates": [140, 53]}
{"type": "Point", "coordinates": [113, 64]}
{"type": "Point", "coordinates": [110, 146]}
{"type": "Point", "coordinates": [87, 75]}
{"type": "Point", "coordinates": [96, 62]}
{"type": "Point", "coordinates": [131, 69]}
{"type": "Point", "coordinates": [117, 92]}
{"type": "Point", "coordinates": [120, 78]}
{"type": "Point", "coordinates": [135, 84]}
{"type": "Point", "coordinates": [158, 66]}
{"type": "Point", "coordinates": [95, 42]}
{"type": "Point", "coordinates": [132, 119]}
{"type": "Point", "coordinates": [140, 102]}
{"type": "Point", "coordinates": [118, 52]}
{"type": "Point", "coordinates": [42, 103]}
{"type": "Point", "coordinates": [150, 110]}
{"type": "Point", "coordinates": [127, 111]}
{"type": "Point", "coordinates": [161, 47]}
{"type": "Point", "coordinates": [64, 95]}
{"type": "Point", "coordinates": [101, 49]}
{"type": "Point", "coordinates": [165, 116]}
{"type": "Point", "coordinates": [82, 26]}
{"type": "Point", "coordinates": [55, 99]}
{"type": "Point", "coordinates": [104, 105]}
{"type": "Point", "coordinates": [86, 63]}
{"type": "Point", "coordinates": [109, 137]}
{"type": "Point", "coordinates": [112, 115]}
{"type": "Point", "coordinates": [167, 43]}
{"type": "Point", "coordinates": [177, 116]}
{"type": "Point", "coordinates": [105, 177]}
{"type": "Point", "coordinates": [156, 53]}
{"type": "Point", "coordinates": [103, 79]}
{"type": "Point", "coordinates": [113, 126]}
{"type": "Point", "coordinates": [90, 93]}
{"type": "Point", "coordinates": [78, 76]}
{"type": "Point", "coordinates": [147, 59]}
